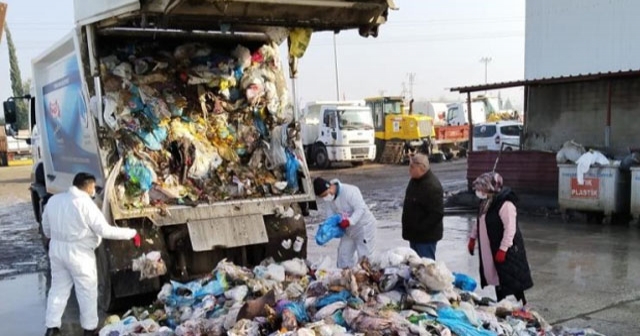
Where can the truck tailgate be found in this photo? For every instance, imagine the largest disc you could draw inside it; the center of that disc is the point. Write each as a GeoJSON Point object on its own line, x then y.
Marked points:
{"type": "Point", "coordinates": [210, 14]}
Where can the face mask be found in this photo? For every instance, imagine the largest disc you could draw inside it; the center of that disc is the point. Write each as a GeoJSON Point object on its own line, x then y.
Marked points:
{"type": "Point", "coordinates": [481, 195]}
{"type": "Point", "coordinates": [328, 198]}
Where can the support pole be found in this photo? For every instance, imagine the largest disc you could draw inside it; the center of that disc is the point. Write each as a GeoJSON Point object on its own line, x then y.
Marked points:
{"type": "Point", "coordinates": [607, 128]}
{"type": "Point", "coordinates": [470, 116]}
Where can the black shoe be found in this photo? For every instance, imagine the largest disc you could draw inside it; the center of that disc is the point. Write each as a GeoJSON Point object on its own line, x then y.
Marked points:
{"type": "Point", "coordinates": [90, 333]}
{"type": "Point", "coordinates": [52, 332]}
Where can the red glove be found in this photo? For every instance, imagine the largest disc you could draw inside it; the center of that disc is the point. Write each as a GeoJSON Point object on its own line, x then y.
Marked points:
{"type": "Point", "coordinates": [471, 246]}
{"type": "Point", "coordinates": [501, 256]}
{"type": "Point", "coordinates": [345, 223]}
{"type": "Point", "coordinates": [137, 240]}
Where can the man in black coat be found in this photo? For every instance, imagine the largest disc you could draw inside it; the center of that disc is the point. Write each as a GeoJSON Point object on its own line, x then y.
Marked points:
{"type": "Point", "coordinates": [423, 208]}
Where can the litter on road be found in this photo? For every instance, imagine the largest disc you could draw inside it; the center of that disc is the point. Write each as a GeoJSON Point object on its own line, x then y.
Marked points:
{"type": "Point", "coordinates": [393, 293]}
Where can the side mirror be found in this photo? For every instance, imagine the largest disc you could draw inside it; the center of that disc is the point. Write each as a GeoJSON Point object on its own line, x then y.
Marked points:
{"type": "Point", "coordinates": [10, 112]}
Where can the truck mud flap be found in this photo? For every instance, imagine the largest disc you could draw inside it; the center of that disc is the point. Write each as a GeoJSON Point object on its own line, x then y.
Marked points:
{"type": "Point", "coordinates": [227, 232]}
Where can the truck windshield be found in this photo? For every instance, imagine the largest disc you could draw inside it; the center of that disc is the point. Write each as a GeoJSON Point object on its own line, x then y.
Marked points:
{"type": "Point", "coordinates": [355, 120]}
{"type": "Point", "coordinates": [392, 107]}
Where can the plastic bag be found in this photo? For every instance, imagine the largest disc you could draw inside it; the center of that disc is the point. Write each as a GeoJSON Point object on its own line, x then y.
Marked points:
{"type": "Point", "coordinates": [153, 139]}
{"type": "Point", "coordinates": [296, 308]}
{"type": "Point", "coordinates": [394, 257]}
{"type": "Point", "coordinates": [237, 294]}
{"type": "Point", "coordinates": [299, 41]}
{"type": "Point", "coordinates": [295, 266]}
{"type": "Point", "coordinates": [434, 275]}
{"type": "Point", "coordinates": [464, 282]}
{"type": "Point", "coordinates": [150, 265]}
{"type": "Point", "coordinates": [139, 173]}
{"type": "Point", "coordinates": [329, 229]}
{"type": "Point", "coordinates": [329, 310]}
{"type": "Point", "coordinates": [276, 272]}
{"type": "Point", "coordinates": [457, 321]}
{"type": "Point", "coordinates": [570, 151]}
{"type": "Point", "coordinates": [326, 300]}
{"type": "Point", "coordinates": [215, 287]}
{"type": "Point", "coordinates": [292, 167]}
{"type": "Point", "coordinates": [586, 161]}
{"type": "Point", "coordinates": [277, 153]}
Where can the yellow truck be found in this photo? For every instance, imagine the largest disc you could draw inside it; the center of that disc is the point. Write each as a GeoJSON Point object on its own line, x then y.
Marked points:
{"type": "Point", "coordinates": [397, 129]}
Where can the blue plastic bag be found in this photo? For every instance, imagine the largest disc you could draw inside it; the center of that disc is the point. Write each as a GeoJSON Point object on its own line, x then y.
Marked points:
{"type": "Point", "coordinates": [458, 322]}
{"type": "Point", "coordinates": [326, 300]}
{"type": "Point", "coordinates": [183, 294]}
{"type": "Point", "coordinates": [329, 229]}
{"type": "Point", "coordinates": [138, 173]}
{"type": "Point", "coordinates": [464, 282]}
{"type": "Point", "coordinates": [339, 319]}
{"type": "Point", "coordinates": [296, 308]}
{"type": "Point", "coordinates": [215, 287]}
{"type": "Point", "coordinates": [153, 140]}
{"type": "Point", "coordinates": [292, 167]}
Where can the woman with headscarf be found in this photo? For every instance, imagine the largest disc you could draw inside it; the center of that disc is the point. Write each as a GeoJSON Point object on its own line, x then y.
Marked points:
{"type": "Point", "coordinates": [503, 259]}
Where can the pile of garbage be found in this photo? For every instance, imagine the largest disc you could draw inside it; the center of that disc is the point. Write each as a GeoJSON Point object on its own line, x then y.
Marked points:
{"type": "Point", "coordinates": [195, 124]}
{"type": "Point", "coordinates": [394, 293]}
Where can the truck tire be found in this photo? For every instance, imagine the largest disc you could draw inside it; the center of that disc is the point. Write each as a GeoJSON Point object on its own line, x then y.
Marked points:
{"type": "Point", "coordinates": [321, 157]}
{"type": "Point", "coordinates": [3, 159]}
{"type": "Point", "coordinates": [37, 211]}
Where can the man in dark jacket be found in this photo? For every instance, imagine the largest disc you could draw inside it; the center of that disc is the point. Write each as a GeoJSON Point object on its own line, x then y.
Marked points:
{"type": "Point", "coordinates": [423, 208]}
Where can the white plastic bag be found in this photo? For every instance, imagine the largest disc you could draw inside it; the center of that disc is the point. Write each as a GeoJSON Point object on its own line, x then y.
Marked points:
{"type": "Point", "coordinates": [434, 275]}
{"type": "Point", "coordinates": [570, 151]}
{"type": "Point", "coordinates": [237, 294]}
{"type": "Point", "coordinates": [586, 161]}
{"type": "Point", "coordinates": [275, 272]}
{"type": "Point", "coordinates": [295, 267]}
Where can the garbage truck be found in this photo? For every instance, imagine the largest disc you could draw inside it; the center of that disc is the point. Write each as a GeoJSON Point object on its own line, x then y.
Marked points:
{"type": "Point", "coordinates": [181, 111]}
{"type": "Point", "coordinates": [337, 131]}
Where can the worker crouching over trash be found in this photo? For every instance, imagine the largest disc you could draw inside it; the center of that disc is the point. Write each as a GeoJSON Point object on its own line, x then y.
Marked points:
{"type": "Point", "coordinates": [503, 259]}
{"type": "Point", "coordinates": [357, 220]}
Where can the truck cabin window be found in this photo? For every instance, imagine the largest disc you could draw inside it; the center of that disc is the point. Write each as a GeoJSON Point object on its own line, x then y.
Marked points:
{"type": "Point", "coordinates": [355, 120]}
{"type": "Point", "coordinates": [392, 107]}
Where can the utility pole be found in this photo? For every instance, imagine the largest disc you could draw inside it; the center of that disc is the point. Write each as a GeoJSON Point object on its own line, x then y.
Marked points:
{"type": "Point", "coordinates": [403, 94]}
{"type": "Point", "coordinates": [335, 59]}
{"type": "Point", "coordinates": [486, 61]}
{"type": "Point", "coordinates": [412, 78]}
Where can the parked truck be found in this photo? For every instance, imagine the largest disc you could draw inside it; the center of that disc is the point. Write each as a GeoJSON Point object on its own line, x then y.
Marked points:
{"type": "Point", "coordinates": [73, 135]}
{"type": "Point", "coordinates": [338, 131]}
{"type": "Point", "coordinates": [452, 137]}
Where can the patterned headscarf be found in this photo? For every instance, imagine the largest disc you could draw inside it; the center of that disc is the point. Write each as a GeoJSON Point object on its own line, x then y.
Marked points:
{"type": "Point", "coordinates": [490, 183]}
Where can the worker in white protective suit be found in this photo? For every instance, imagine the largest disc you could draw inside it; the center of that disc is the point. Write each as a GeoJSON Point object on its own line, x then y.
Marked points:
{"type": "Point", "coordinates": [74, 227]}
{"type": "Point", "coordinates": [357, 219]}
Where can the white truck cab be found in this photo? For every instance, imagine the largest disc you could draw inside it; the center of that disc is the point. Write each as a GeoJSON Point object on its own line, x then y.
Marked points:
{"type": "Point", "coordinates": [338, 132]}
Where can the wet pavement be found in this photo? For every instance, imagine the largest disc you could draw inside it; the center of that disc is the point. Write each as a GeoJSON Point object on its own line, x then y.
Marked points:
{"type": "Point", "coordinates": [585, 275]}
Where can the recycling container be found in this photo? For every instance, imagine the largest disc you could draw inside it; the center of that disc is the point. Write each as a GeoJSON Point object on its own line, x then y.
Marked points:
{"type": "Point", "coordinates": [635, 193]}
{"type": "Point", "coordinates": [605, 189]}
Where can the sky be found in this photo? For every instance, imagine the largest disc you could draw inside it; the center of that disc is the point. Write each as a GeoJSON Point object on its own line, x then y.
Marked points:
{"type": "Point", "coordinates": [441, 42]}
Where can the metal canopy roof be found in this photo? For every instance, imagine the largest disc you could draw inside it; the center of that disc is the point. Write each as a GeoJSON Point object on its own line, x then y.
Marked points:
{"type": "Point", "coordinates": [547, 81]}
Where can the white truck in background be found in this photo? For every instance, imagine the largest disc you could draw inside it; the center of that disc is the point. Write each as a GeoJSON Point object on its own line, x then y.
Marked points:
{"type": "Point", "coordinates": [337, 131]}
{"type": "Point", "coordinates": [457, 113]}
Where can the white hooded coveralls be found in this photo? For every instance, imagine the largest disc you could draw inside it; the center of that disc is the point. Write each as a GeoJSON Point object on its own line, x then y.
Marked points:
{"type": "Point", "coordinates": [75, 225]}
{"type": "Point", "coordinates": [360, 236]}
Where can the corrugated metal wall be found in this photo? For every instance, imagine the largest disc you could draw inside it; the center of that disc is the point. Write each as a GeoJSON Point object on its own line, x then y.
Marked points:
{"type": "Point", "coordinates": [572, 37]}
{"type": "Point", "coordinates": [523, 171]}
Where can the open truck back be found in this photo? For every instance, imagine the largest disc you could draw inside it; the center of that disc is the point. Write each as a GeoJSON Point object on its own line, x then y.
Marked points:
{"type": "Point", "coordinates": [75, 134]}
